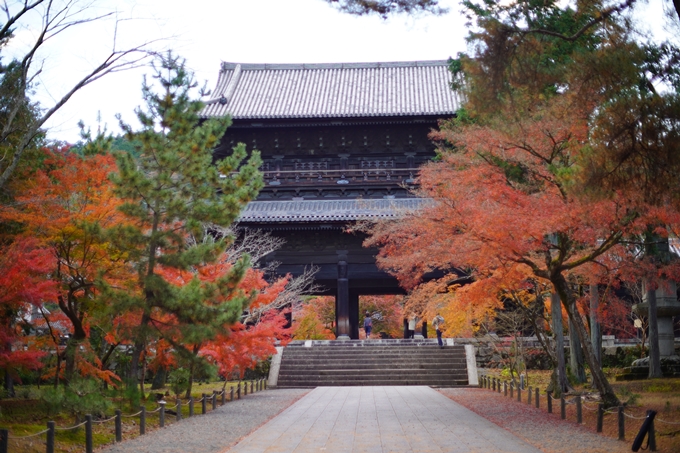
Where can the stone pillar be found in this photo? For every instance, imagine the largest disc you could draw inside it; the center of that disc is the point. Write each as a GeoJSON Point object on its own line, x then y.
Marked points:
{"type": "Point", "coordinates": [667, 306]}
{"type": "Point", "coordinates": [342, 321]}
{"type": "Point", "coordinates": [595, 335]}
{"type": "Point", "coordinates": [353, 315]}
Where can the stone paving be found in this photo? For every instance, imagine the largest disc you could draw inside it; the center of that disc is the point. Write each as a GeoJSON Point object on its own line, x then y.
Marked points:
{"type": "Point", "coordinates": [379, 419]}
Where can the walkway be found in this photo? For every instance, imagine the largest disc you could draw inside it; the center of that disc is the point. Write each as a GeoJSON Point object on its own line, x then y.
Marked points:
{"type": "Point", "coordinates": [380, 419]}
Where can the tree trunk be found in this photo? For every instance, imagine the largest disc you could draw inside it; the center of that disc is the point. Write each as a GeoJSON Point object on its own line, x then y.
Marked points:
{"type": "Point", "coordinates": [192, 368]}
{"type": "Point", "coordinates": [561, 384]}
{"type": "Point", "coordinates": [138, 349]}
{"type": "Point", "coordinates": [576, 355]}
{"type": "Point", "coordinates": [609, 398]}
{"type": "Point", "coordinates": [595, 333]}
{"type": "Point", "coordinates": [159, 379]}
{"type": "Point", "coordinates": [9, 384]}
{"type": "Point", "coordinates": [654, 356]}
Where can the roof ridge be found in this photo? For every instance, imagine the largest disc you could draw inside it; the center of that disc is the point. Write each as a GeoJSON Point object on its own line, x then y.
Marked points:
{"type": "Point", "coordinates": [227, 66]}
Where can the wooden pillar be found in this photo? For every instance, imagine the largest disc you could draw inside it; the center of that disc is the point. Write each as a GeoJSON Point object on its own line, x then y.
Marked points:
{"type": "Point", "coordinates": [354, 315]}
{"type": "Point", "coordinates": [342, 321]}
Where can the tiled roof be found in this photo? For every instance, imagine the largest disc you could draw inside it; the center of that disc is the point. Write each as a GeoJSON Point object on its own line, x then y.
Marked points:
{"type": "Point", "coordinates": [327, 210]}
{"type": "Point", "coordinates": [259, 91]}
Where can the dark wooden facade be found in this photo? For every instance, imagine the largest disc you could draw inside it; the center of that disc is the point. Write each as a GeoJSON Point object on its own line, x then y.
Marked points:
{"type": "Point", "coordinates": [313, 163]}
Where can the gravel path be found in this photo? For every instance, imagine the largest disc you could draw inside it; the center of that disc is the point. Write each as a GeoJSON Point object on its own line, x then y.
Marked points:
{"type": "Point", "coordinates": [547, 432]}
{"type": "Point", "coordinates": [215, 431]}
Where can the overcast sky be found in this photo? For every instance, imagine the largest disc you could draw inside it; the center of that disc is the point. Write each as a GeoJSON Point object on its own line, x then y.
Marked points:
{"type": "Point", "coordinates": [207, 32]}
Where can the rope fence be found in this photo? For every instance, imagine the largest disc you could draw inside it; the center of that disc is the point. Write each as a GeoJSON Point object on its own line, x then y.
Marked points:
{"type": "Point", "coordinates": [51, 430]}
{"type": "Point", "coordinates": [649, 420]}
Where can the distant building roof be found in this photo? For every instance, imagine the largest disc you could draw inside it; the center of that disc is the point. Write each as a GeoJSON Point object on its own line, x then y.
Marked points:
{"type": "Point", "coordinates": [261, 91]}
{"type": "Point", "coordinates": [328, 210]}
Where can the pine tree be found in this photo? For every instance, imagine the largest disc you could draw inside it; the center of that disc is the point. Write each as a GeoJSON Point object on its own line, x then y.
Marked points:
{"type": "Point", "coordinates": [170, 191]}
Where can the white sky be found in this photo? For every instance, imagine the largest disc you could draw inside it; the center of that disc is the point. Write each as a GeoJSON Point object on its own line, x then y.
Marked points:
{"type": "Point", "coordinates": [207, 32]}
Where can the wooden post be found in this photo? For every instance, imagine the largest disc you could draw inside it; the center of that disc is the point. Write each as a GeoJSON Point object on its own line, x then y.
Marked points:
{"type": "Point", "coordinates": [622, 424]}
{"type": "Point", "coordinates": [224, 397]}
{"type": "Point", "coordinates": [251, 387]}
{"type": "Point", "coordinates": [203, 404]}
{"type": "Point", "coordinates": [161, 415]}
{"type": "Point", "coordinates": [179, 409]}
{"type": "Point", "coordinates": [191, 406]}
{"type": "Point", "coordinates": [652, 436]}
{"type": "Point", "coordinates": [4, 440]}
{"type": "Point", "coordinates": [529, 395]}
{"type": "Point", "coordinates": [493, 384]}
{"type": "Point", "coordinates": [214, 399]}
{"type": "Point", "coordinates": [600, 417]}
{"type": "Point", "coordinates": [537, 393]}
{"type": "Point", "coordinates": [505, 388]}
{"type": "Point", "coordinates": [231, 394]}
{"type": "Point", "coordinates": [512, 394]}
{"type": "Point", "coordinates": [238, 391]}
{"type": "Point", "coordinates": [245, 388]}
{"type": "Point", "coordinates": [142, 420]}
{"type": "Point", "coordinates": [119, 426]}
{"type": "Point", "coordinates": [563, 408]}
{"type": "Point", "coordinates": [519, 394]}
{"type": "Point", "coordinates": [50, 437]}
{"type": "Point", "coordinates": [265, 384]}
{"type": "Point", "coordinates": [88, 433]}
{"type": "Point", "coordinates": [579, 410]}
{"type": "Point", "coordinates": [549, 396]}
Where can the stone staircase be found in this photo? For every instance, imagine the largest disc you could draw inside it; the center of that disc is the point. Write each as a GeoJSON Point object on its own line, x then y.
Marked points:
{"type": "Point", "coordinates": [308, 364]}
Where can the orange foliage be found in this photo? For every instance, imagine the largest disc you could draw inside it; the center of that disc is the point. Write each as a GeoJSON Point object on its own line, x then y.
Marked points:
{"type": "Point", "coordinates": [243, 347]}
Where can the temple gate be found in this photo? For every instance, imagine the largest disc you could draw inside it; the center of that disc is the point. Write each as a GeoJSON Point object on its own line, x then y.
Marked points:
{"type": "Point", "coordinates": [339, 143]}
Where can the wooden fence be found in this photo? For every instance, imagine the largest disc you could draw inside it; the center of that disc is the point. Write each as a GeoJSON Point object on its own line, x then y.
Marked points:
{"type": "Point", "coordinates": [206, 400]}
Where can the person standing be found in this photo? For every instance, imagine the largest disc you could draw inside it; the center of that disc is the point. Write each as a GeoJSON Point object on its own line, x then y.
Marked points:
{"type": "Point", "coordinates": [368, 325]}
{"type": "Point", "coordinates": [437, 323]}
{"type": "Point", "coordinates": [412, 321]}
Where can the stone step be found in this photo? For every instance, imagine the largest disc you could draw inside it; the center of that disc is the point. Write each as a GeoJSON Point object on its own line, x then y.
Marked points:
{"type": "Point", "coordinates": [376, 357]}
{"type": "Point", "coordinates": [372, 362]}
{"type": "Point", "coordinates": [377, 382]}
{"type": "Point", "coordinates": [323, 363]}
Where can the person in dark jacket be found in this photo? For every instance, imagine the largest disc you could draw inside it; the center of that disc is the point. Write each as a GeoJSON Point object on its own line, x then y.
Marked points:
{"type": "Point", "coordinates": [368, 325]}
